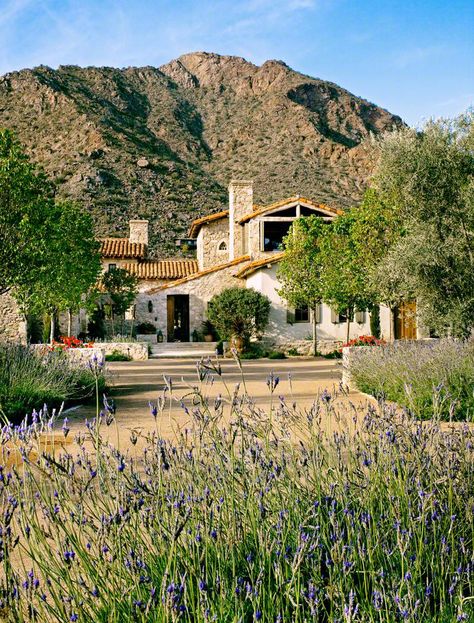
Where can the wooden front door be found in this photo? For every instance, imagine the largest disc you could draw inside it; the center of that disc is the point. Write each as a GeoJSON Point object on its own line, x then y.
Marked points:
{"type": "Point", "coordinates": [405, 321]}
{"type": "Point", "coordinates": [177, 307]}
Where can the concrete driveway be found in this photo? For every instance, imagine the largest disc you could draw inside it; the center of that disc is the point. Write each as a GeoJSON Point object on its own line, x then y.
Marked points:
{"type": "Point", "coordinates": [135, 384]}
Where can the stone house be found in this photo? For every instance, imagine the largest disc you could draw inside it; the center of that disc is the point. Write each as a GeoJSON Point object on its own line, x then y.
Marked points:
{"type": "Point", "coordinates": [240, 246]}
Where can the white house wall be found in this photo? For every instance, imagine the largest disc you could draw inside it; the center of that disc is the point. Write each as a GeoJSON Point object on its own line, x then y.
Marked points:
{"type": "Point", "coordinates": [279, 330]}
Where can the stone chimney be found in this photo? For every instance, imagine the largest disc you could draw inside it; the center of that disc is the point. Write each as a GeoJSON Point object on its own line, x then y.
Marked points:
{"type": "Point", "coordinates": [139, 231]}
{"type": "Point", "coordinates": [240, 204]}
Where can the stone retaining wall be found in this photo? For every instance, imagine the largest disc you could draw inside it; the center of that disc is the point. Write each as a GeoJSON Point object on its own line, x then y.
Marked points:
{"type": "Point", "coordinates": [305, 347]}
{"type": "Point", "coordinates": [137, 351]}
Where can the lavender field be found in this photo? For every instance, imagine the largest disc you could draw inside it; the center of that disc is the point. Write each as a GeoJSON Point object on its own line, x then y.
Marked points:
{"type": "Point", "coordinates": [269, 518]}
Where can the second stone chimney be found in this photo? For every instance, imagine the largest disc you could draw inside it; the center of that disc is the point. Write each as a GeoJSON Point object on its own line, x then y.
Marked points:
{"type": "Point", "coordinates": [240, 204]}
{"type": "Point", "coordinates": [139, 231]}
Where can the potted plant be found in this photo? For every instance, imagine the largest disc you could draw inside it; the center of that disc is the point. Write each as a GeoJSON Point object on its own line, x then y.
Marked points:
{"type": "Point", "coordinates": [208, 331]}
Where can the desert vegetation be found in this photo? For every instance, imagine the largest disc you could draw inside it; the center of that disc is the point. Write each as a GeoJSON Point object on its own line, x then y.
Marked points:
{"type": "Point", "coordinates": [253, 513]}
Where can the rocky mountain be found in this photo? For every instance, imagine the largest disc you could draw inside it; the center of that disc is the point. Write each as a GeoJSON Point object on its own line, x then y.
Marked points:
{"type": "Point", "coordinates": [163, 143]}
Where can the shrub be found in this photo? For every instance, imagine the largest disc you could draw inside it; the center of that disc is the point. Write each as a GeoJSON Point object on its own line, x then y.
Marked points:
{"type": "Point", "coordinates": [116, 355]}
{"type": "Point", "coordinates": [254, 350]}
{"type": "Point", "coordinates": [335, 354]}
{"type": "Point", "coordinates": [428, 378]}
{"type": "Point", "coordinates": [293, 352]}
{"type": "Point", "coordinates": [146, 328]}
{"type": "Point", "coordinates": [29, 380]}
{"type": "Point", "coordinates": [240, 312]}
{"type": "Point", "coordinates": [237, 522]}
{"type": "Point", "coordinates": [364, 340]}
{"type": "Point", "coordinates": [276, 354]}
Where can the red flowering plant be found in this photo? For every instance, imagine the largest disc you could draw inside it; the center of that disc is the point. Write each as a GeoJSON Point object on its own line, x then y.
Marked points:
{"type": "Point", "coordinates": [364, 340]}
{"type": "Point", "coordinates": [66, 342]}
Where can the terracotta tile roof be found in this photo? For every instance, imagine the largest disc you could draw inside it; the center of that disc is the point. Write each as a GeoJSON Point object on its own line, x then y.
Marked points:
{"type": "Point", "coordinates": [196, 225]}
{"type": "Point", "coordinates": [163, 269]}
{"type": "Point", "coordinates": [258, 210]}
{"type": "Point", "coordinates": [207, 271]}
{"type": "Point", "coordinates": [248, 269]}
{"type": "Point", "coordinates": [122, 248]}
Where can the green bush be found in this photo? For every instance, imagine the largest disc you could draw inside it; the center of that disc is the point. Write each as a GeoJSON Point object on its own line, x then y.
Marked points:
{"type": "Point", "coordinates": [276, 354]}
{"type": "Point", "coordinates": [241, 312]}
{"type": "Point", "coordinates": [116, 355]}
{"type": "Point", "coordinates": [29, 380]}
{"type": "Point", "coordinates": [293, 352]}
{"type": "Point", "coordinates": [146, 328]}
{"type": "Point", "coordinates": [254, 350]}
{"type": "Point", "coordinates": [428, 378]}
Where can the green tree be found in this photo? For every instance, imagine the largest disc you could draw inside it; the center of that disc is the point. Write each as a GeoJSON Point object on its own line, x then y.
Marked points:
{"type": "Point", "coordinates": [26, 215]}
{"type": "Point", "coordinates": [239, 313]}
{"type": "Point", "coordinates": [345, 282]}
{"type": "Point", "coordinates": [299, 272]}
{"type": "Point", "coordinates": [121, 288]}
{"type": "Point", "coordinates": [71, 268]}
{"type": "Point", "coordinates": [427, 178]}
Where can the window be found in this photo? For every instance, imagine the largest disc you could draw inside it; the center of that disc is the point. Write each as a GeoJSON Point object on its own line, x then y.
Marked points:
{"type": "Point", "coordinates": [112, 267]}
{"type": "Point", "coordinates": [302, 314]}
{"type": "Point", "coordinates": [273, 234]}
{"type": "Point", "coordinates": [150, 307]}
{"type": "Point", "coordinates": [222, 246]}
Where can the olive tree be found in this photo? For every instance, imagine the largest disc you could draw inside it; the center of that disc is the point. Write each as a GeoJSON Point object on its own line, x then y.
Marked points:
{"type": "Point", "coordinates": [239, 314]}
{"type": "Point", "coordinates": [427, 178]}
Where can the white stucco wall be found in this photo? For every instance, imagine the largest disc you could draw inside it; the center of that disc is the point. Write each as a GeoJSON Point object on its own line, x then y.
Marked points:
{"type": "Point", "coordinates": [265, 281]}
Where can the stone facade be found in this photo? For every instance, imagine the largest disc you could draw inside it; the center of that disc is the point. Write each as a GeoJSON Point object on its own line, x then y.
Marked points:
{"type": "Point", "coordinates": [12, 323]}
{"type": "Point", "coordinates": [305, 347]}
{"type": "Point", "coordinates": [240, 204]}
{"type": "Point", "coordinates": [139, 231]}
{"type": "Point", "coordinates": [210, 238]}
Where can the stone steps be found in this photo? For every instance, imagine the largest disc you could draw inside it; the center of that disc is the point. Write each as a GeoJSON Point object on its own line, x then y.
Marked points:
{"type": "Point", "coordinates": [185, 350]}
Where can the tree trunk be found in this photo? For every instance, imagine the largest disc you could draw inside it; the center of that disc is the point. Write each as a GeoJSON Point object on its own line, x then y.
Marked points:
{"type": "Point", "coordinates": [52, 328]}
{"type": "Point", "coordinates": [69, 322]}
{"type": "Point", "coordinates": [348, 325]}
{"type": "Point", "coordinates": [315, 332]}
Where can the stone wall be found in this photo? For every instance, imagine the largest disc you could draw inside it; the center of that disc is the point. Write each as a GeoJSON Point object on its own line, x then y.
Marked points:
{"type": "Point", "coordinates": [305, 347]}
{"type": "Point", "coordinates": [12, 324]}
{"type": "Point", "coordinates": [200, 291]}
{"type": "Point", "coordinates": [137, 351]}
{"type": "Point", "coordinates": [240, 204]}
{"type": "Point", "coordinates": [209, 239]}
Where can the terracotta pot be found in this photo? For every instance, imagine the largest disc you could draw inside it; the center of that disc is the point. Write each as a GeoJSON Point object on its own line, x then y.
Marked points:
{"type": "Point", "coordinates": [237, 342]}
{"type": "Point", "coordinates": [208, 338]}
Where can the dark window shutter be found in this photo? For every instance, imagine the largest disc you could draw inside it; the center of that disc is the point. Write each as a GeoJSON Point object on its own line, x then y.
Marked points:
{"type": "Point", "coordinates": [290, 315]}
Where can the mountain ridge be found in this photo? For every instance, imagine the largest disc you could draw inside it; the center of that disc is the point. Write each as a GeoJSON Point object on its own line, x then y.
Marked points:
{"type": "Point", "coordinates": [163, 142]}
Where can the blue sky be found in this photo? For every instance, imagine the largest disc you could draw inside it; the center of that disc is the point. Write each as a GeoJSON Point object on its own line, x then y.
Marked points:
{"type": "Point", "coordinates": [413, 57]}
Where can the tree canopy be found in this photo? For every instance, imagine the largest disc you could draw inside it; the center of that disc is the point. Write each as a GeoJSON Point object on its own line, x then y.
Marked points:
{"type": "Point", "coordinates": [239, 312]}
{"type": "Point", "coordinates": [427, 178]}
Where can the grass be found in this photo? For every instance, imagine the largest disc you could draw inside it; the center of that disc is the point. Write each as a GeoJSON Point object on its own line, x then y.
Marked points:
{"type": "Point", "coordinates": [423, 377]}
{"type": "Point", "coordinates": [252, 513]}
{"type": "Point", "coordinates": [116, 355]}
{"type": "Point", "coordinates": [29, 380]}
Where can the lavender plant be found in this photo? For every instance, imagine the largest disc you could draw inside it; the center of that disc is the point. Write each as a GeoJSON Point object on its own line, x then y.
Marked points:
{"type": "Point", "coordinates": [250, 514]}
{"type": "Point", "coordinates": [27, 380]}
{"type": "Point", "coordinates": [424, 377]}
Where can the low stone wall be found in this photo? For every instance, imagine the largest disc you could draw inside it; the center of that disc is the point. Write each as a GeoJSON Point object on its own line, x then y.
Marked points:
{"type": "Point", "coordinates": [81, 356]}
{"type": "Point", "coordinates": [305, 347]}
{"type": "Point", "coordinates": [137, 351]}
{"type": "Point", "coordinates": [348, 353]}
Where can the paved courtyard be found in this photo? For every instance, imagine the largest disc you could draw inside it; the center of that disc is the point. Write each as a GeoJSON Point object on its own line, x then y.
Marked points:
{"type": "Point", "coordinates": [135, 384]}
